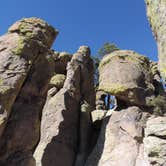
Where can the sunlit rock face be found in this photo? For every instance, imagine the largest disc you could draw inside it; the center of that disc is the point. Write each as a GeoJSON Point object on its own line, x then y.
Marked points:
{"type": "Point", "coordinates": [66, 125]}
{"type": "Point", "coordinates": [156, 12]}
{"type": "Point", "coordinates": [127, 75]}
{"type": "Point", "coordinates": [23, 57]}
{"type": "Point", "coordinates": [50, 114]}
{"type": "Point", "coordinates": [132, 135]}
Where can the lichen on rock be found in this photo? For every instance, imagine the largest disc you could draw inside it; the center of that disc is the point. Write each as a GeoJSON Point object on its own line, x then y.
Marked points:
{"type": "Point", "coordinates": [32, 30]}
{"type": "Point", "coordinates": [156, 12]}
{"type": "Point", "coordinates": [49, 114]}
{"type": "Point", "coordinates": [57, 80]}
{"type": "Point", "coordinates": [123, 73]}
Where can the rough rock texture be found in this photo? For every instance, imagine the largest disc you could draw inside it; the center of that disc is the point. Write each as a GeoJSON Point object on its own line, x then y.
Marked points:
{"type": "Point", "coordinates": [50, 114]}
{"type": "Point", "coordinates": [23, 129]}
{"type": "Point", "coordinates": [156, 12]}
{"type": "Point", "coordinates": [61, 114]}
{"type": "Point", "coordinates": [134, 135]}
{"type": "Point", "coordinates": [100, 100]}
{"type": "Point", "coordinates": [120, 139]}
{"type": "Point", "coordinates": [24, 58]}
{"type": "Point", "coordinates": [123, 73]}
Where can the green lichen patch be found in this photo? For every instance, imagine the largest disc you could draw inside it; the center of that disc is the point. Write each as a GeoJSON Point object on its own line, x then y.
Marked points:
{"type": "Point", "coordinates": [126, 55]}
{"type": "Point", "coordinates": [20, 46]}
{"type": "Point", "coordinates": [57, 80]}
{"type": "Point", "coordinates": [50, 59]}
{"type": "Point", "coordinates": [163, 71]}
{"type": "Point", "coordinates": [113, 88]}
{"type": "Point", "coordinates": [4, 89]}
{"type": "Point", "coordinates": [1, 81]}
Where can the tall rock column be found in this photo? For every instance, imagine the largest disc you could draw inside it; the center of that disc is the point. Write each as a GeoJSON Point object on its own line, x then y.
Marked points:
{"type": "Point", "coordinates": [156, 12]}
{"type": "Point", "coordinates": [87, 105]}
{"type": "Point", "coordinates": [61, 114]}
{"type": "Point", "coordinates": [18, 50]}
{"type": "Point", "coordinates": [27, 71]}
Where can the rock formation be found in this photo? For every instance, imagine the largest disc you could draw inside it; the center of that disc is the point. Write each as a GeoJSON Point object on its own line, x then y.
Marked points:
{"type": "Point", "coordinates": [156, 12]}
{"type": "Point", "coordinates": [50, 114]}
{"type": "Point", "coordinates": [62, 113]}
{"type": "Point", "coordinates": [125, 137]}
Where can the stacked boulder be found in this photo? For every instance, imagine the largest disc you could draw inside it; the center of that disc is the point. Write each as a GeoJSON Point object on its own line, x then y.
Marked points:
{"type": "Point", "coordinates": [133, 135]}
{"type": "Point", "coordinates": [45, 98]}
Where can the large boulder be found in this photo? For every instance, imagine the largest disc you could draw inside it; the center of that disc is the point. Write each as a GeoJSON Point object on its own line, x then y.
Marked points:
{"type": "Point", "coordinates": [156, 12]}
{"type": "Point", "coordinates": [126, 75]}
{"type": "Point", "coordinates": [25, 42]}
{"type": "Point", "coordinates": [121, 140]}
{"type": "Point", "coordinates": [26, 58]}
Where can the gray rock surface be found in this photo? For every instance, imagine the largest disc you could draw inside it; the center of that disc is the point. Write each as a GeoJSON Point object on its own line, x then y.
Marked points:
{"type": "Point", "coordinates": [60, 119]}
{"type": "Point", "coordinates": [123, 73]}
{"type": "Point", "coordinates": [26, 59]}
{"type": "Point", "coordinates": [120, 139]}
{"type": "Point", "coordinates": [51, 116]}
{"type": "Point", "coordinates": [156, 12]}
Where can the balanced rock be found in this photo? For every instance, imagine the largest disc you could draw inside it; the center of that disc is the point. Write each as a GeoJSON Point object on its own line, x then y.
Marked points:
{"type": "Point", "coordinates": [126, 75]}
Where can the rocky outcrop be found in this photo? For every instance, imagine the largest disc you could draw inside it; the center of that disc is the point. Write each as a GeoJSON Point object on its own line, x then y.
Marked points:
{"type": "Point", "coordinates": [123, 73]}
{"type": "Point", "coordinates": [51, 115]}
{"type": "Point", "coordinates": [24, 58]}
{"type": "Point", "coordinates": [46, 99]}
{"type": "Point", "coordinates": [156, 12]}
{"type": "Point", "coordinates": [19, 48]}
{"type": "Point", "coordinates": [60, 131]}
{"type": "Point", "coordinates": [155, 140]}
{"type": "Point", "coordinates": [131, 136]}
{"type": "Point", "coordinates": [61, 59]}
{"type": "Point", "coordinates": [120, 139]}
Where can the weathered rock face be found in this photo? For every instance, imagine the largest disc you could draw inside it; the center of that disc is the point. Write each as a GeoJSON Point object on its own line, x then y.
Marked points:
{"type": "Point", "coordinates": [49, 114]}
{"type": "Point", "coordinates": [132, 136]}
{"type": "Point", "coordinates": [156, 12]}
{"type": "Point", "coordinates": [45, 98]}
{"type": "Point", "coordinates": [123, 73]}
{"type": "Point", "coordinates": [155, 140]}
{"type": "Point", "coordinates": [23, 60]}
{"type": "Point", "coordinates": [61, 59]}
{"type": "Point", "coordinates": [120, 141]}
{"type": "Point", "coordinates": [61, 114]}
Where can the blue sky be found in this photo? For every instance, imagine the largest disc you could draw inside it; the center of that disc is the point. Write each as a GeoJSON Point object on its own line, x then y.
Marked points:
{"type": "Point", "coordinates": [87, 22]}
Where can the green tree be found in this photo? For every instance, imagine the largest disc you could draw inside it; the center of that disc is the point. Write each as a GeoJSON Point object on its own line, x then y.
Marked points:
{"type": "Point", "coordinates": [107, 48]}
